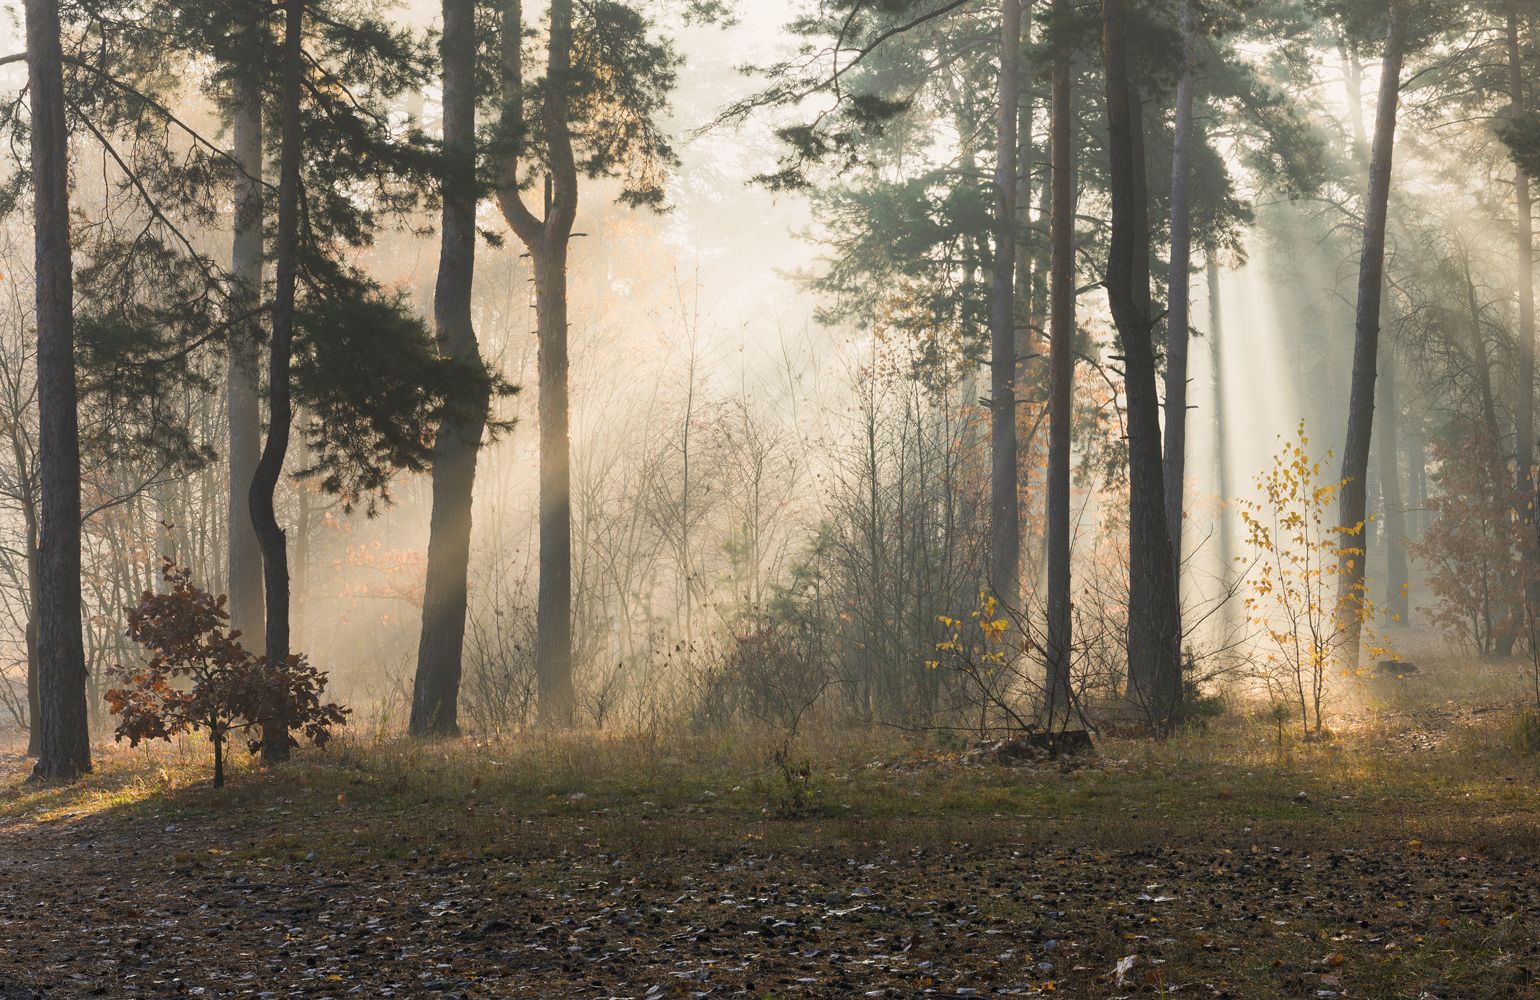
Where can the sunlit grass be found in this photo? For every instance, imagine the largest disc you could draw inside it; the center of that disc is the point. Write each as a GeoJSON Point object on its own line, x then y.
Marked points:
{"type": "Point", "coordinates": [1455, 777]}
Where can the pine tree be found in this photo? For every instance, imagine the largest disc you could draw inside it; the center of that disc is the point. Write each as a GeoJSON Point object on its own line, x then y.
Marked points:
{"type": "Point", "coordinates": [435, 694]}
{"type": "Point", "coordinates": [64, 745]}
{"type": "Point", "coordinates": [595, 113]}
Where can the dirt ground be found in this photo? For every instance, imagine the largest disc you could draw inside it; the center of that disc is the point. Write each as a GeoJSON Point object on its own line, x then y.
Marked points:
{"type": "Point", "coordinates": [1395, 861]}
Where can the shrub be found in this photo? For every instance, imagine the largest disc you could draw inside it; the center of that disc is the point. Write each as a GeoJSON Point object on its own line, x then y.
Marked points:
{"type": "Point", "coordinates": [1295, 594]}
{"type": "Point", "coordinates": [1472, 547]}
{"type": "Point", "coordinates": [772, 673]}
{"type": "Point", "coordinates": [1199, 706]}
{"type": "Point", "coordinates": [199, 676]}
{"type": "Point", "coordinates": [1522, 733]}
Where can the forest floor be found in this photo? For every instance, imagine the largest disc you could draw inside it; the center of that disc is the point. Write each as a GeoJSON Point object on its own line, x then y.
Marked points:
{"type": "Point", "coordinates": [1399, 859]}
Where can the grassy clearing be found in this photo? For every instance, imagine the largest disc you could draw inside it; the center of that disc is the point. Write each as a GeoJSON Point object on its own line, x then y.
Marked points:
{"type": "Point", "coordinates": [1393, 860]}
{"type": "Point", "coordinates": [472, 791]}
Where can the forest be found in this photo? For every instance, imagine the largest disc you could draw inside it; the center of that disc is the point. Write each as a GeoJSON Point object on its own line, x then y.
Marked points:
{"type": "Point", "coordinates": [728, 498]}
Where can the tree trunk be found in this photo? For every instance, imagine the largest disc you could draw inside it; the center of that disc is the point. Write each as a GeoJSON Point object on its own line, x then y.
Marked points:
{"type": "Point", "coordinates": [1524, 409]}
{"type": "Point", "coordinates": [558, 705]}
{"type": "Point", "coordinates": [1366, 339]}
{"type": "Point", "coordinates": [547, 239]}
{"type": "Point", "coordinates": [1031, 271]}
{"type": "Point", "coordinates": [435, 696]}
{"type": "Point", "coordinates": [1154, 629]}
{"type": "Point", "coordinates": [1178, 316]}
{"type": "Point", "coordinates": [27, 502]}
{"type": "Point", "coordinates": [1005, 514]}
{"type": "Point", "coordinates": [1398, 579]}
{"type": "Point", "coordinates": [554, 608]}
{"type": "Point", "coordinates": [34, 696]}
{"type": "Point", "coordinates": [64, 750]}
{"type": "Point", "coordinates": [1481, 365]}
{"type": "Point", "coordinates": [1353, 80]}
{"type": "Point", "coordinates": [299, 590]}
{"type": "Point", "coordinates": [970, 436]}
{"type": "Point", "coordinates": [275, 557]}
{"type": "Point", "coordinates": [1481, 359]}
{"type": "Point", "coordinates": [1061, 384]}
{"type": "Point", "coordinates": [34, 705]}
{"type": "Point", "coordinates": [244, 553]}
{"type": "Point", "coordinates": [217, 737]}
{"type": "Point", "coordinates": [1417, 476]}
{"type": "Point", "coordinates": [1221, 437]}
{"type": "Point", "coordinates": [1032, 370]}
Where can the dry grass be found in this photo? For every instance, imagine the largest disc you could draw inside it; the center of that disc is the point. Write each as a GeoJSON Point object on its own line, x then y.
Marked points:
{"type": "Point", "coordinates": [1392, 860]}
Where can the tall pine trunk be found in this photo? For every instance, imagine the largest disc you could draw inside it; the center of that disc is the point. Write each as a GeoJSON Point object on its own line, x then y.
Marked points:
{"type": "Point", "coordinates": [299, 590]}
{"type": "Point", "coordinates": [553, 646]}
{"type": "Point", "coordinates": [547, 237]}
{"type": "Point", "coordinates": [435, 696]}
{"type": "Point", "coordinates": [1524, 409]}
{"type": "Point", "coordinates": [243, 551]}
{"type": "Point", "coordinates": [1061, 379]}
{"type": "Point", "coordinates": [1005, 514]}
{"type": "Point", "coordinates": [28, 501]}
{"type": "Point", "coordinates": [1178, 315]}
{"type": "Point", "coordinates": [558, 706]}
{"type": "Point", "coordinates": [34, 695]}
{"type": "Point", "coordinates": [1221, 435]}
{"type": "Point", "coordinates": [1398, 579]}
{"type": "Point", "coordinates": [1366, 340]}
{"type": "Point", "coordinates": [264, 485]}
{"type": "Point", "coordinates": [64, 749]}
{"type": "Point", "coordinates": [1154, 628]}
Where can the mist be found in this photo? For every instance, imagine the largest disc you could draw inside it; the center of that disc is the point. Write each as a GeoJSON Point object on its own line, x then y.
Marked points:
{"type": "Point", "coordinates": [836, 498]}
{"type": "Point", "coordinates": [764, 410]}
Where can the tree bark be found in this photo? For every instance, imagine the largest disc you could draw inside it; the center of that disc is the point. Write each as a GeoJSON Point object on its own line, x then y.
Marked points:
{"type": "Point", "coordinates": [1221, 436]}
{"type": "Point", "coordinates": [1353, 80]}
{"type": "Point", "coordinates": [299, 589]}
{"type": "Point", "coordinates": [435, 696]}
{"type": "Point", "coordinates": [1366, 339]}
{"type": "Point", "coordinates": [1417, 463]}
{"type": "Point", "coordinates": [1154, 627]}
{"type": "Point", "coordinates": [275, 557]}
{"type": "Point", "coordinates": [557, 703]}
{"type": "Point", "coordinates": [1061, 381]}
{"type": "Point", "coordinates": [1398, 579]}
{"type": "Point", "coordinates": [34, 697]}
{"type": "Point", "coordinates": [1524, 409]}
{"type": "Point", "coordinates": [65, 746]}
{"type": "Point", "coordinates": [34, 694]}
{"type": "Point", "coordinates": [243, 552]}
{"type": "Point", "coordinates": [1481, 359]}
{"type": "Point", "coordinates": [1005, 514]}
{"type": "Point", "coordinates": [218, 739]}
{"type": "Point", "coordinates": [1178, 315]}
{"type": "Point", "coordinates": [547, 238]}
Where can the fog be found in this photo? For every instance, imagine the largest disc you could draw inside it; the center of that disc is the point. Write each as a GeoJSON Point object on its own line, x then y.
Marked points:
{"type": "Point", "coordinates": [771, 447]}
